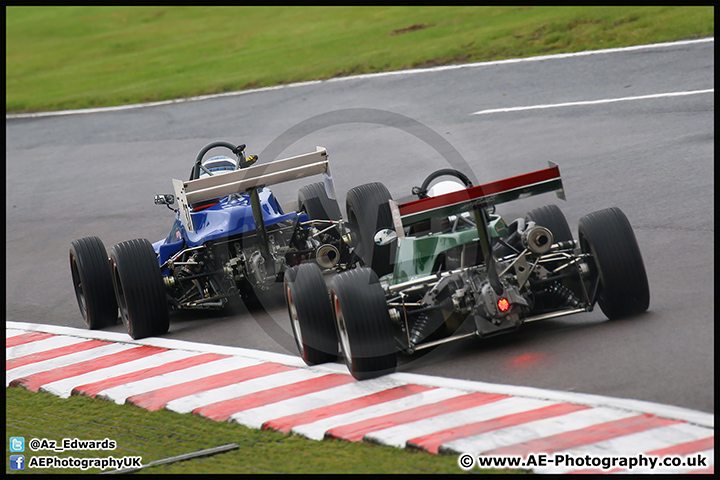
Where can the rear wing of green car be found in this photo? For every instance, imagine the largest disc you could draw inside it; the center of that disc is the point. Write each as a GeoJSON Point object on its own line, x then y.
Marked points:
{"type": "Point", "coordinates": [475, 199]}
{"type": "Point", "coordinates": [453, 203]}
{"type": "Point", "coordinates": [192, 192]}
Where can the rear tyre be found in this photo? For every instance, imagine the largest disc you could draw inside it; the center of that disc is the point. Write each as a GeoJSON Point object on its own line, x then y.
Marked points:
{"type": "Point", "coordinates": [607, 235]}
{"type": "Point", "coordinates": [311, 315]}
{"type": "Point", "coordinates": [364, 326]}
{"type": "Point", "coordinates": [313, 199]}
{"type": "Point", "coordinates": [552, 218]}
{"type": "Point", "coordinates": [92, 280]}
{"type": "Point", "coordinates": [139, 289]}
{"type": "Point", "coordinates": [368, 211]}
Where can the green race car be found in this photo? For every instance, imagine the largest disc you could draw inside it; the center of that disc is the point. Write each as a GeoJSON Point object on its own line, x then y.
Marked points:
{"type": "Point", "coordinates": [445, 267]}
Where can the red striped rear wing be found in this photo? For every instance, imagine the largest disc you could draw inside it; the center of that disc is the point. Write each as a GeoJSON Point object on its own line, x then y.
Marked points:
{"type": "Point", "coordinates": [513, 188]}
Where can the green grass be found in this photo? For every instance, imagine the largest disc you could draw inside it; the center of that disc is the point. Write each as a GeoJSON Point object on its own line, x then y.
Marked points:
{"type": "Point", "coordinates": [82, 57]}
{"type": "Point", "coordinates": [162, 434]}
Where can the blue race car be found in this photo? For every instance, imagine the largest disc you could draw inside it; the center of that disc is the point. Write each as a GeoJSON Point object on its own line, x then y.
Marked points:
{"type": "Point", "coordinates": [230, 237]}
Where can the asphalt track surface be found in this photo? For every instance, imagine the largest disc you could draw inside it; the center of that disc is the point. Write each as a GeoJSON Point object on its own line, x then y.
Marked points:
{"type": "Point", "coordinates": [631, 128]}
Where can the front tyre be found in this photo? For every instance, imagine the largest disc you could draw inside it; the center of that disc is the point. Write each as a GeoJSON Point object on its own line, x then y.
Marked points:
{"type": "Point", "coordinates": [92, 280]}
{"type": "Point", "coordinates": [139, 289]}
{"type": "Point", "coordinates": [363, 322]}
{"type": "Point", "coordinates": [617, 262]}
{"type": "Point", "coordinates": [311, 315]}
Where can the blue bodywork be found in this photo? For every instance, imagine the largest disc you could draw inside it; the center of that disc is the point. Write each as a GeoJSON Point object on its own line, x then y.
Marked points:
{"type": "Point", "coordinates": [231, 216]}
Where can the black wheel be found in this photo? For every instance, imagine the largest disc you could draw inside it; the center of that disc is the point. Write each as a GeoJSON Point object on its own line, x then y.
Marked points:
{"type": "Point", "coordinates": [90, 269]}
{"type": "Point", "coordinates": [608, 236]}
{"type": "Point", "coordinates": [139, 289]}
{"type": "Point", "coordinates": [367, 212]}
{"type": "Point", "coordinates": [314, 201]}
{"type": "Point", "coordinates": [552, 218]}
{"type": "Point", "coordinates": [363, 322]}
{"type": "Point", "coordinates": [311, 315]}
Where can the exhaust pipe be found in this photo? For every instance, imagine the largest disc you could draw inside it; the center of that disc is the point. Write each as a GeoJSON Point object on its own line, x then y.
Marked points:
{"type": "Point", "coordinates": [327, 256]}
{"type": "Point", "coordinates": [537, 239]}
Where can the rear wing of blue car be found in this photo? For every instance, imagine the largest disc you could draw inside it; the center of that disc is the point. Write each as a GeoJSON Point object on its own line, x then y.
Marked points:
{"type": "Point", "coordinates": [192, 192]}
{"type": "Point", "coordinates": [493, 193]}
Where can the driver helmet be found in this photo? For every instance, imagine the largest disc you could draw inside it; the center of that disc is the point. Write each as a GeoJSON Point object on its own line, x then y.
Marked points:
{"type": "Point", "coordinates": [218, 166]}
{"type": "Point", "coordinates": [446, 186]}
{"type": "Point", "coordinates": [441, 188]}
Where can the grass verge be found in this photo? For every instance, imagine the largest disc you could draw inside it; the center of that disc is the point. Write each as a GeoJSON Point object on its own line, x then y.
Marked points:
{"type": "Point", "coordinates": [82, 57]}
{"type": "Point", "coordinates": [163, 433]}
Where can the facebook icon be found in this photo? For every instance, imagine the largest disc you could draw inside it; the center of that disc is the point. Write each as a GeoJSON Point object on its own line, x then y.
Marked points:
{"type": "Point", "coordinates": [17, 462]}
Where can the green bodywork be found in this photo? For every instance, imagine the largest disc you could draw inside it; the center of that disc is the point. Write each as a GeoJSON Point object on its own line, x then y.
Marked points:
{"type": "Point", "coordinates": [416, 256]}
{"type": "Point", "coordinates": [418, 250]}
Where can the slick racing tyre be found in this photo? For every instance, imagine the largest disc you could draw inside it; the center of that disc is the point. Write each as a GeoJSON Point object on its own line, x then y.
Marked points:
{"type": "Point", "coordinates": [364, 326]}
{"type": "Point", "coordinates": [314, 201]}
{"type": "Point", "coordinates": [92, 280]}
{"type": "Point", "coordinates": [552, 218]}
{"type": "Point", "coordinates": [616, 261]}
{"type": "Point", "coordinates": [139, 289]}
{"type": "Point", "coordinates": [367, 212]}
{"type": "Point", "coordinates": [311, 315]}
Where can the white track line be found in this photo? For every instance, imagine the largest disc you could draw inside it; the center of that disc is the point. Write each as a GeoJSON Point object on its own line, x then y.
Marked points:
{"type": "Point", "coordinates": [592, 102]}
{"type": "Point", "coordinates": [369, 75]}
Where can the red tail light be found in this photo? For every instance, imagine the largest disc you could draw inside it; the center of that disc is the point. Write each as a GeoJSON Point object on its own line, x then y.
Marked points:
{"type": "Point", "coordinates": [503, 304]}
